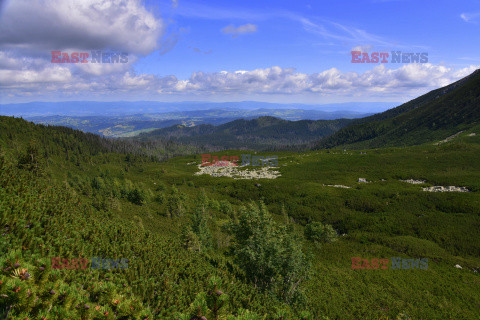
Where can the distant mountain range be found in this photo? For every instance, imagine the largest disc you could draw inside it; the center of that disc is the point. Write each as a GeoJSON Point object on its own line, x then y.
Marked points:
{"type": "Point", "coordinates": [127, 125]}
{"type": "Point", "coordinates": [116, 108]}
{"type": "Point", "coordinates": [258, 134]}
{"type": "Point", "coordinates": [431, 117]}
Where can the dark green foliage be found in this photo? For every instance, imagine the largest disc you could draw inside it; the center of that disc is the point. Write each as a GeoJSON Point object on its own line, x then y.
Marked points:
{"type": "Point", "coordinates": [2, 159]}
{"type": "Point", "coordinates": [196, 235]}
{"type": "Point", "coordinates": [316, 231]}
{"type": "Point", "coordinates": [54, 223]}
{"type": "Point", "coordinates": [190, 240]}
{"type": "Point", "coordinates": [77, 147]}
{"type": "Point", "coordinates": [31, 159]}
{"type": "Point", "coordinates": [212, 303]}
{"type": "Point", "coordinates": [80, 208]}
{"type": "Point", "coordinates": [271, 257]}
{"type": "Point", "coordinates": [200, 227]}
{"type": "Point", "coordinates": [136, 196]}
{"type": "Point", "coordinates": [175, 203]}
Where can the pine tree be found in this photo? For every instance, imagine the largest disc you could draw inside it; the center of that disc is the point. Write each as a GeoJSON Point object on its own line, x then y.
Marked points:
{"type": "Point", "coordinates": [271, 257]}
{"type": "Point", "coordinates": [32, 159]}
{"type": "Point", "coordinates": [200, 227]}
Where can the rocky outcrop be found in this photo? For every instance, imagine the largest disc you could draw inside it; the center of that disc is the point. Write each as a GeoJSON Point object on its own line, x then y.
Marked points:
{"type": "Point", "coordinates": [228, 169]}
{"type": "Point", "coordinates": [412, 181]}
{"type": "Point", "coordinates": [448, 139]}
{"type": "Point", "coordinates": [445, 189]}
{"type": "Point", "coordinates": [337, 186]}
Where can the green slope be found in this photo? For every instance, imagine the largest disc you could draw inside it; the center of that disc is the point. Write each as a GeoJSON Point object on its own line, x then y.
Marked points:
{"type": "Point", "coordinates": [431, 117]}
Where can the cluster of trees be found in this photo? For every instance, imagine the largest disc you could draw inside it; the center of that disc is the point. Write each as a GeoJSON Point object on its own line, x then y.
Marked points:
{"type": "Point", "coordinates": [78, 147]}
{"type": "Point", "coordinates": [269, 253]}
{"type": "Point", "coordinates": [103, 190]}
{"type": "Point", "coordinates": [318, 232]}
{"type": "Point", "coordinates": [196, 235]}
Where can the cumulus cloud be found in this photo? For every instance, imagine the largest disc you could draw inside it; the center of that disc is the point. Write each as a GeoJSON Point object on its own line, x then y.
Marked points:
{"type": "Point", "coordinates": [21, 77]}
{"type": "Point", "coordinates": [31, 29]}
{"type": "Point", "coordinates": [7, 62]}
{"type": "Point", "coordinates": [243, 29]}
{"type": "Point", "coordinates": [278, 80]}
{"type": "Point", "coordinates": [123, 25]}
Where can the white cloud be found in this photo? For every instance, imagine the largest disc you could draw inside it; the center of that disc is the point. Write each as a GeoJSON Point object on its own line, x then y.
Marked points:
{"type": "Point", "coordinates": [21, 77]}
{"type": "Point", "coordinates": [287, 81]}
{"type": "Point", "coordinates": [243, 29]}
{"type": "Point", "coordinates": [98, 69]}
{"type": "Point", "coordinates": [42, 25]}
{"type": "Point", "coordinates": [17, 78]}
{"type": "Point", "coordinates": [7, 62]}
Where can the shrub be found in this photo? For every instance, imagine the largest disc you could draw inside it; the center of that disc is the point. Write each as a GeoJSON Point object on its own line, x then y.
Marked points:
{"type": "Point", "coordinates": [136, 196]}
{"type": "Point", "coordinates": [31, 160]}
{"type": "Point", "coordinates": [271, 257]}
{"type": "Point", "coordinates": [317, 232]}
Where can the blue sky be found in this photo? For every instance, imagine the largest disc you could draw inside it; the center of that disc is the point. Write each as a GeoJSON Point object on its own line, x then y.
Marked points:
{"type": "Point", "coordinates": [282, 40]}
{"type": "Point", "coordinates": [274, 51]}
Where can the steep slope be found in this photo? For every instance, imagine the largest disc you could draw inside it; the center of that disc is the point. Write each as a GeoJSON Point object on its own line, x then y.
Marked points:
{"type": "Point", "coordinates": [261, 133]}
{"type": "Point", "coordinates": [433, 116]}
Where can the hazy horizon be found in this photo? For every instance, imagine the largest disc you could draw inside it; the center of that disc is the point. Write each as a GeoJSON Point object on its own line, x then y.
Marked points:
{"type": "Point", "coordinates": [92, 108]}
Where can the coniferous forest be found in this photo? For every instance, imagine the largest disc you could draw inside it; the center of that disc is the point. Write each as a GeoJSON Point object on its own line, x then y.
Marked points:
{"type": "Point", "coordinates": [239, 160]}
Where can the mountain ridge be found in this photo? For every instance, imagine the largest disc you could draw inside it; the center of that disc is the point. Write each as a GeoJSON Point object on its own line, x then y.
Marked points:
{"type": "Point", "coordinates": [432, 116]}
{"type": "Point", "coordinates": [261, 133]}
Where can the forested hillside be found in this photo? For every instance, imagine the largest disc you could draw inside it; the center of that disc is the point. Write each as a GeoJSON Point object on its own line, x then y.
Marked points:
{"type": "Point", "coordinates": [431, 117]}
{"type": "Point", "coordinates": [74, 145]}
{"type": "Point", "coordinates": [264, 133]}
